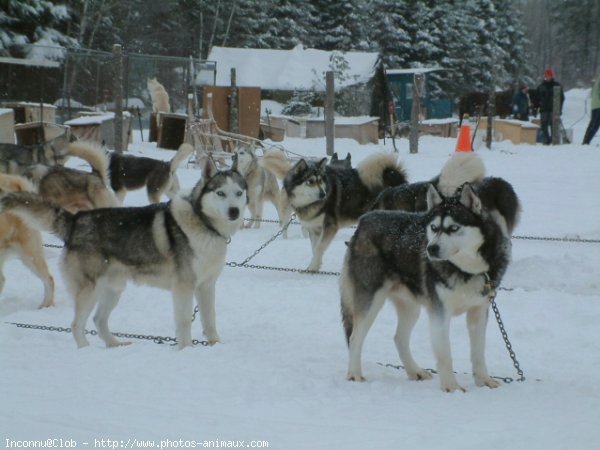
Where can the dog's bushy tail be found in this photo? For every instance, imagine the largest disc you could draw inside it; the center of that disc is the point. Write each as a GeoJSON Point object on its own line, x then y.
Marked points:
{"type": "Point", "coordinates": [461, 168]}
{"type": "Point", "coordinates": [37, 212]}
{"type": "Point", "coordinates": [95, 155]}
{"type": "Point", "coordinates": [275, 161]}
{"type": "Point", "coordinates": [347, 301]}
{"type": "Point", "coordinates": [15, 183]}
{"type": "Point", "coordinates": [381, 170]}
{"type": "Point", "coordinates": [183, 152]}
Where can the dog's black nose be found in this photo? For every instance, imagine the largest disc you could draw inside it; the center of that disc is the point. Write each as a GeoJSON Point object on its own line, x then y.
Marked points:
{"type": "Point", "coordinates": [433, 251]}
{"type": "Point", "coordinates": [234, 213]}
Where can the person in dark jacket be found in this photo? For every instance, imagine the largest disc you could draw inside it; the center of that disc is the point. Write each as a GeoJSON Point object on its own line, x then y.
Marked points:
{"type": "Point", "coordinates": [595, 119]}
{"type": "Point", "coordinates": [545, 99]}
{"type": "Point", "coordinates": [520, 103]}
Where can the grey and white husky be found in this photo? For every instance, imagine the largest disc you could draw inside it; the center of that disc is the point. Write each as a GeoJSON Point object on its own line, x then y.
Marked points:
{"type": "Point", "coordinates": [326, 198]}
{"type": "Point", "coordinates": [179, 246]}
{"type": "Point", "coordinates": [262, 183]}
{"type": "Point", "coordinates": [448, 259]}
{"type": "Point", "coordinates": [16, 158]}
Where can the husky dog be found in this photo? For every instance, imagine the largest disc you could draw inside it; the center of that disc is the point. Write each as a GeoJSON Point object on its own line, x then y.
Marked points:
{"type": "Point", "coordinates": [73, 189]}
{"type": "Point", "coordinates": [326, 198]}
{"type": "Point", "coordinates": [15, 158]}
{"type": "Point", "coordinates": [448, 259]}
{"type": "Point", "coordinates": [128, 172]}
{"type": "Point", "coordinates": [159, 96]}
{"type": "Point", "coordinates": [460, 169]}
{"type": "Point", "coordinates": [17, 236]}
{"type": "Point", "coordinates": [262, 183]}
{"type": "Point", "coordinates": [179, 246]}
{"type": "Point", "coordinates": [342, 163]}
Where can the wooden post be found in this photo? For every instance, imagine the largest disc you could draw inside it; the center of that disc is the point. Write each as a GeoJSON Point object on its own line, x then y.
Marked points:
{"type": "Point", "coordinates": [417, 89]}
{"type": "Point", "coordinates": [234, 123]}
{"type": "Point", "coordinates": [556, 115]}
{"type": "Point", "coordinates": [118, 95]}
{"type": "Point", "coordinates": [491, 107]}
{"type": "Point", "coordinates": [329, 109]}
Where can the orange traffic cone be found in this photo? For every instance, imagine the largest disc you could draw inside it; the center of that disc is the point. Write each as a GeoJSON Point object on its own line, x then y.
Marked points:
{"type": "Point", "coordinates": [464, 139]}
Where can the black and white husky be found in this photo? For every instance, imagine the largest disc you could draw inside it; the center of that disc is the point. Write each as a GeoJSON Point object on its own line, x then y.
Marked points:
{"type": "Point", "coordinates": [448, 259]}
{"type": "Point", "coordinates": [328, 197]}
{"type": "Point", "coordinates": [179, 246]}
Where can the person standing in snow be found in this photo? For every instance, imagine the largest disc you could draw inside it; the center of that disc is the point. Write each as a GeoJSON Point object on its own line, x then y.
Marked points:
{"type": "Point", "coordinates": [545, 99]}
{"type": "Point", "coordinates": [595, 119]}
{"type": "Point", "coordinates": [520, 103]}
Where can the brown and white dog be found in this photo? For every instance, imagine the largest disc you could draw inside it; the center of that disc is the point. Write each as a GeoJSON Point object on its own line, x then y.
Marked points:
{"type": "Point", "coordinates": [73, 189]}
{"type": "Point", "coordinates": [17, 237]}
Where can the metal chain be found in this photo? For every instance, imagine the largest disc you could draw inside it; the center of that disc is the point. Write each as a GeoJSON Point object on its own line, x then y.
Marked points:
{"type": "Point", "coordinates": [155, 339]}
{"type": "Point", "coordinates": [505, 337]}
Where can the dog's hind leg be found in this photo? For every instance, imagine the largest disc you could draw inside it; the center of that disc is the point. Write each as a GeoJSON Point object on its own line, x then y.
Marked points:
{"type": "Point", "coordinates": [363, 320]}
{"type": "Point", "coordinates": [85, 300]}
{"type": "Point", "coordinates": [182, 308]}
{"type": "Point", "coordinates": [108, 298]}
{"type": "Point", "coordinates": [476, 323]}
{"type": "Point", "coordinates": [32, 255]}
{"type": "Point", "coordinates": [408, 312]}
{"type": "Point", "coordinates": [205, 297]}
{"type": "Point", "coordinates": [439, 328]}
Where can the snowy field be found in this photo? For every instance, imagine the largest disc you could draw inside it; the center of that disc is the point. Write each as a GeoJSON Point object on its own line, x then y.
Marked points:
{"type": "Point", "coordinates": [278, 377]}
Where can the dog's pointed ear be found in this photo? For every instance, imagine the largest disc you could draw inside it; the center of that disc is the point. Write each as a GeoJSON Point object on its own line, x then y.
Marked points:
{"type": "Point", "coordinates": [334, 158]}
{"type": "Point", "coordinates": [349, 159]}
{"type": "Point", "coordinates": [469, 198]}
{"type": "Point", "coordinates": [433, 197]}
{"type": "Point", "coordinates": [299, 167]}
{"type": "Point", "coordinates": [209, 168]}
{"type": "Point", "coordinates": [321, 165]}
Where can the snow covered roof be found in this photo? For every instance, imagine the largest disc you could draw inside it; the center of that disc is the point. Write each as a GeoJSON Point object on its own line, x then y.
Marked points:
{"type": "Point", "coordinates": [413, 70]}
{"type": "Point", "coordinates": [298, 68]}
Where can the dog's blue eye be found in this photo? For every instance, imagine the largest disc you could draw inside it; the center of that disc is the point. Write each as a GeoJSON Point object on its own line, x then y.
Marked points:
{"type": "Point", "coordinates": [221, 193]}
{"type": "Point", "coordinates": [453, 228]}
{"type": "Point", "coordinates": [239, 193]}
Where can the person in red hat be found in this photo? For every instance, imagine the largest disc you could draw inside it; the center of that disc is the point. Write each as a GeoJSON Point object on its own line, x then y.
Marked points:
{"type": "Point", "coordinates": [545, 103]}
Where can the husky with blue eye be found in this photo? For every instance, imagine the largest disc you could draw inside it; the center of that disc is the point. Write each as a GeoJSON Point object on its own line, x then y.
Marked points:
{"type": "Point", "coordinates": [178, 246]}
{"type": "Point", "coordinates": [448, 259]}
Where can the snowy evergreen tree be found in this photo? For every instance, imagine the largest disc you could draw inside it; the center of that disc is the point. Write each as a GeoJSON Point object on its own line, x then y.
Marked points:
{"type": "Point", "coordinates": [39, 22]}
{"type": "Point", "coordinates": [339, 25]}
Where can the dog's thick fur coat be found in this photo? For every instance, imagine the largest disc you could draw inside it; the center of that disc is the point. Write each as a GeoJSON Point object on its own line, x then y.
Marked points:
{"type": "Point", "coordinates": [74, 189]}
{"type": "Point", "coordinates": [448, 259]}
{"type": "Point", "coordinates": [179, 246]}
{"type": "Point", "coordinates": [16, 158]}
{"type": "Point", "coordinates": [326, 198]}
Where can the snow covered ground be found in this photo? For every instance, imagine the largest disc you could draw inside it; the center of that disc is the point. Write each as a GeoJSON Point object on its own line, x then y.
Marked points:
{"type": "Point", "coordinates": [278, 377]}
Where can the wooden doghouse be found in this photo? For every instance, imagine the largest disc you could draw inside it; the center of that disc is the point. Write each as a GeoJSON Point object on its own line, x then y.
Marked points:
{"type": "Point", "coordinates": [34, 133]}
{"type": "Point", "coordinates": [171, 130]}
{"type": "Point", "coordinates": [7, 126]}
{"type": "Point", "coordinates": [100, 127]}
{"type": "Point", "coordinates": [516, 131]}
{"type": "Point", "coordinates": [32, 112]}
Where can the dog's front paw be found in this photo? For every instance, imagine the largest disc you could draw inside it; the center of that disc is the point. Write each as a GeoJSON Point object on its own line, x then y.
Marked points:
{"type": "Point", "coordinates": [212, 338]}
{"type": "Point", "coordinates": [486, 381]}
{"type": "Point", "coordinates": [352, 377]}
{"type": "Point", "coordinates": [451, 386]}
{"type": "Point", "coordinates": [419, 375]}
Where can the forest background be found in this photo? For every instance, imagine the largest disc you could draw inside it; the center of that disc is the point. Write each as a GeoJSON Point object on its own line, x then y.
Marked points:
{"type": "Point", "coordinates": [483, 43]}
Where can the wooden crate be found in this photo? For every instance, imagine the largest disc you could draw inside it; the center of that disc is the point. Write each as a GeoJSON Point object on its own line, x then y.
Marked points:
{"type": "Point", "coordinates": [516, 131]}
{"type": "Point", "coordinates": [100, 127]}
{"type": "Point", "coordinates": [26, 112]}
{"type": "Point", "coordinates": [34, 133]}
{"type": "Point", "coordinates": [7, 126]}
{"type": "Point", "coordinates": [171, 130]}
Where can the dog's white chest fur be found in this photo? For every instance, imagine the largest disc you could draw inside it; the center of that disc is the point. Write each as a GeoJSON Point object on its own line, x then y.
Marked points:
{"type": "Point", "coordinates": [461, 296]}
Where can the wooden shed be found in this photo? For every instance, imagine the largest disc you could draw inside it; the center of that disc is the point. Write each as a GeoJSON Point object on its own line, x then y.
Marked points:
{"type": "Point", "coordinates": [7, 126]}
{"type": "Point", "coordinates": [33, 133]}
{"type": "Point", "coordinates": [516, 131]}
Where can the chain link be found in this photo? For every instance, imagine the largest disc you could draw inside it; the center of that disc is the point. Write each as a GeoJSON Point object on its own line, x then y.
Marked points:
{"type": "Point", "coordinates": [155, 339]}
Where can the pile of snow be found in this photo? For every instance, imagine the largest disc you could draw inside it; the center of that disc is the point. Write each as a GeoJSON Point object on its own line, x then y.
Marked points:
{"type": "Point", "coordinates": [279, 373]}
